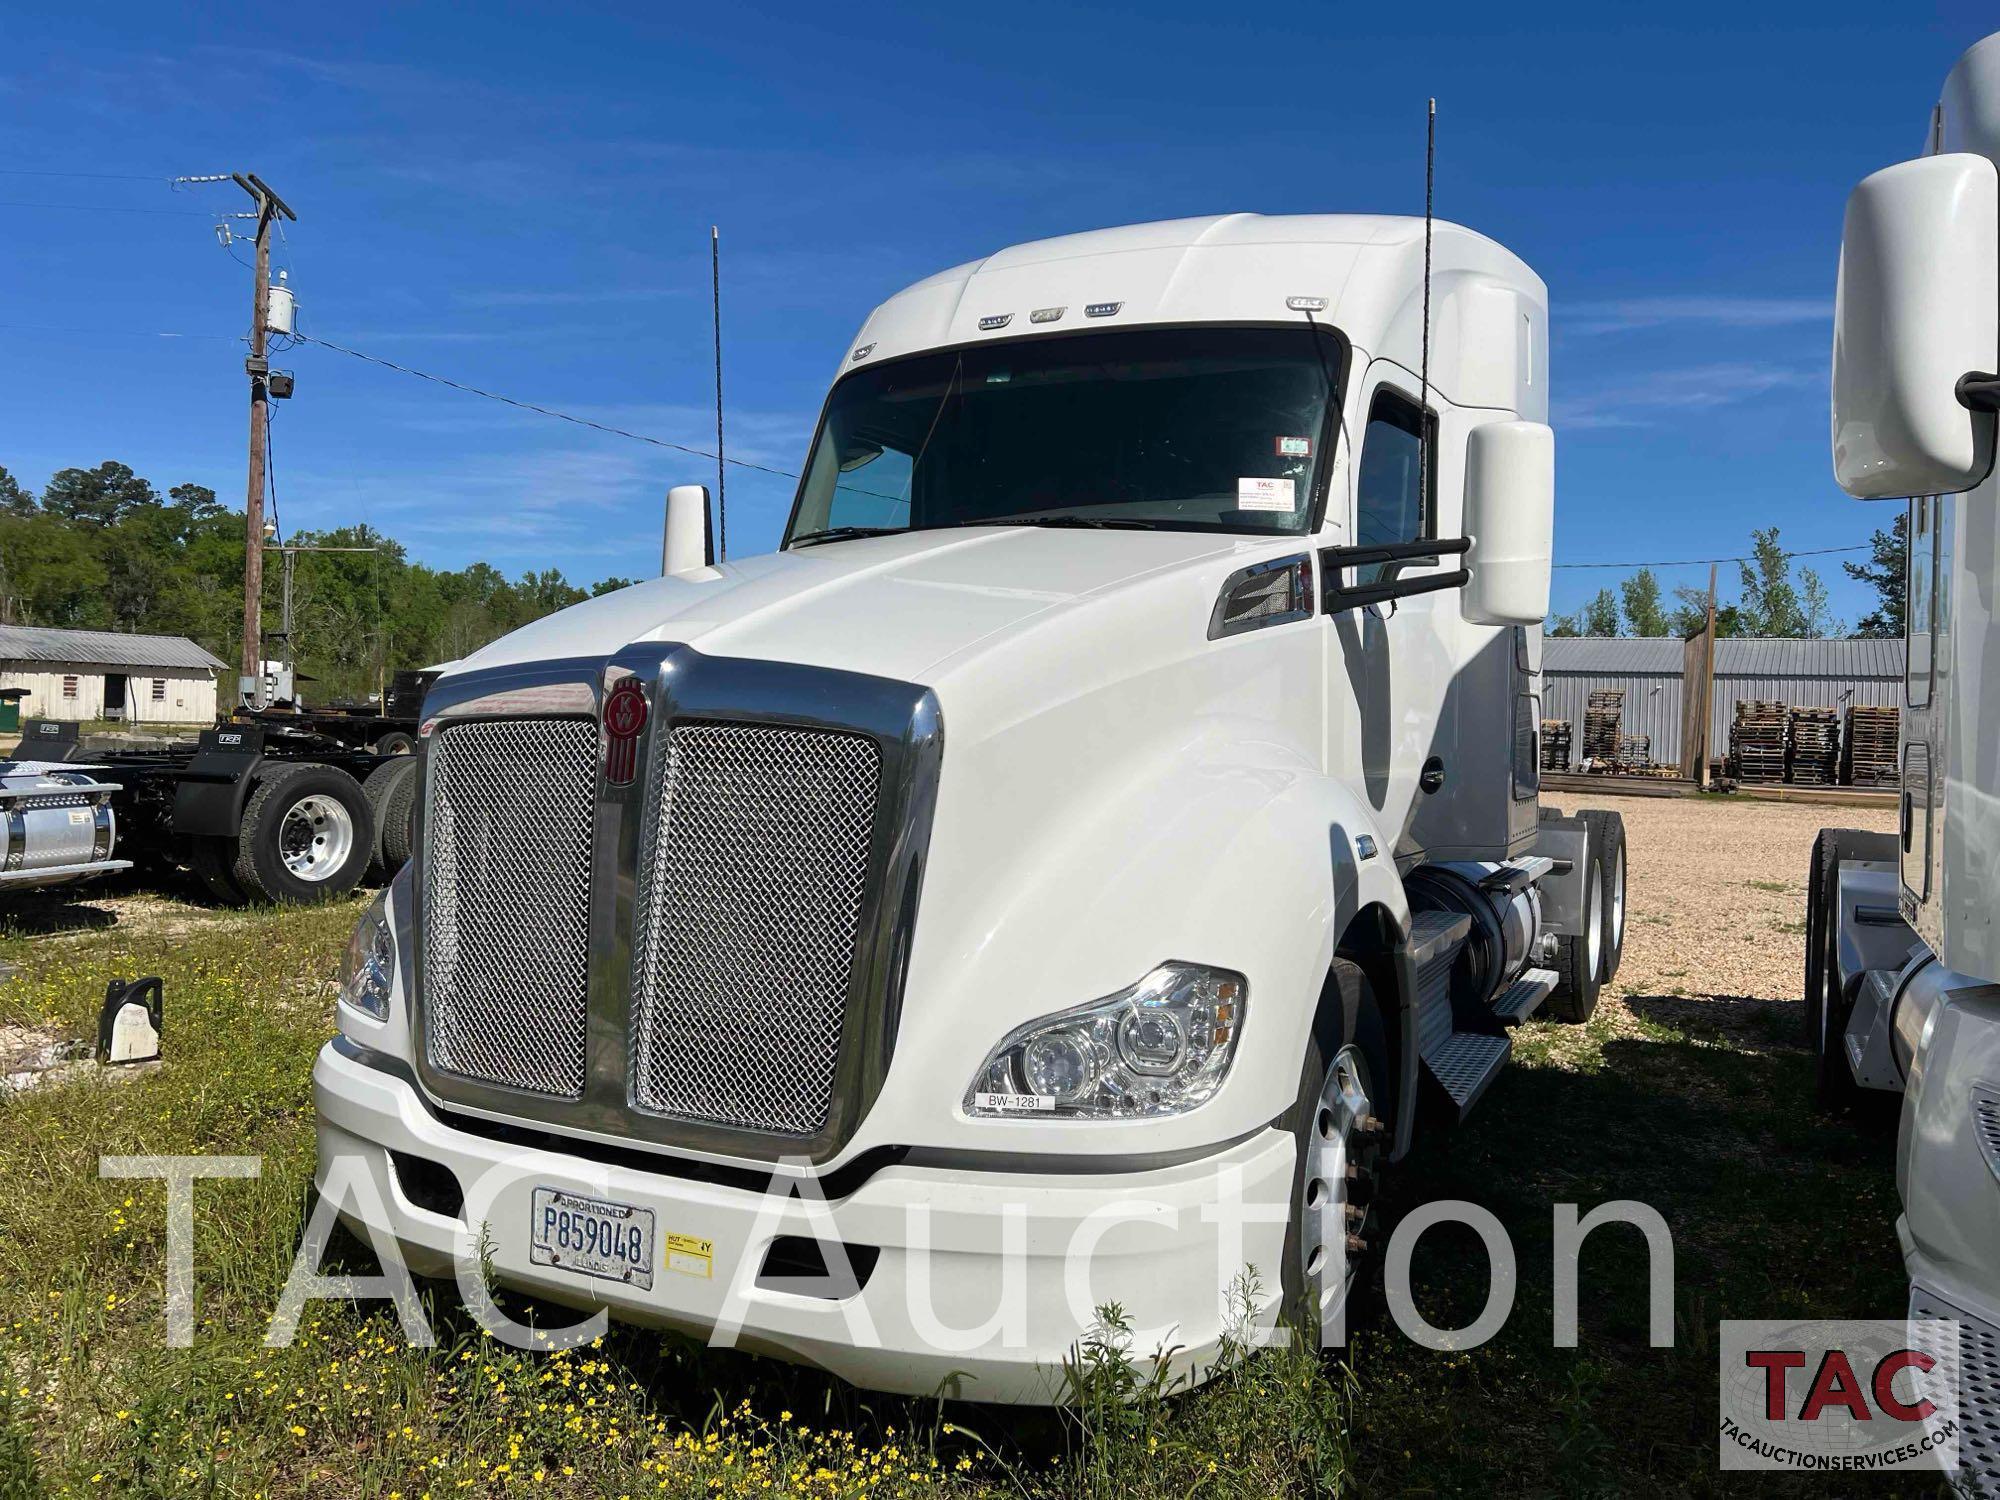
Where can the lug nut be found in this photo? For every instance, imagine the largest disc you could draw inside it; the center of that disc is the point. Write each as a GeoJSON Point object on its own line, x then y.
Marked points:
{"type": "Point", "coordinates": [1356, 1215]}
{"type": "Point", "coordinates": [1356, 1245]}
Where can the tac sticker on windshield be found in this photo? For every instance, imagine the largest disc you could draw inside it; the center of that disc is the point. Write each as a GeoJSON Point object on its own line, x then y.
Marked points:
{"type": "Point", "coordinates": [1294, 447]}
{"type": "Point", "coordinates": [1265, 494]}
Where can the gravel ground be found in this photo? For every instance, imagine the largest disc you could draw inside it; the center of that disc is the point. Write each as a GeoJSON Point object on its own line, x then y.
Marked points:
{"type": "Point", "coordinates": [1716, 892]}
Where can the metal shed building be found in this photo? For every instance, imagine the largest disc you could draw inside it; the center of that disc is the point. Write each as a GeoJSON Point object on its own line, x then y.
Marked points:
{"type": "Point", "coordinates": [1811, 674]}
{"type": "Point", "coordinates": [102, 674]}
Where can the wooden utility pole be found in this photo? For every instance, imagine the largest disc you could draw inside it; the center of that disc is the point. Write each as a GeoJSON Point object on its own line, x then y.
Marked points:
{"type": "Point", "coordinates": [258, 367]}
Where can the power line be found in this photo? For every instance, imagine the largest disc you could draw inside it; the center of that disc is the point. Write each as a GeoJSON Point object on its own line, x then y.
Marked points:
{"type": "Point", "coordinates": [1702, 562]}
{"type": "Point", "coordinates": [72, 331]}
{"type": "Point", "coordinates": [94, 176]}
{"type": "Point", "coordinates": [546, 411]}
{"type": "Point", "coordinates": [105, 208]}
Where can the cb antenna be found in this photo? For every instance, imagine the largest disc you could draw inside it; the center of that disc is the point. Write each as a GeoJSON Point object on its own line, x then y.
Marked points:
{"type": "Point", "coordinates": [715, 302]}
{"type": "Point", "coordinates": [1424, 361]}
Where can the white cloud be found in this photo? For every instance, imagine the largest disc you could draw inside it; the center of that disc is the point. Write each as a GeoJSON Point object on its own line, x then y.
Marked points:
{"type": "Point", "coordinates": [1626, 314]}
{"type": "Point", "coordinates": [1658, 394]}
{"type": "Point", "coordinates": [571, 297]}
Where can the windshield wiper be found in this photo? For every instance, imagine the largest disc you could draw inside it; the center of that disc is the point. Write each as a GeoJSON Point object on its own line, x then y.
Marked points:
{"type": "Point", "coordinates": [841, 534]}
{"type": "Point", "coordinates": [1094, 523]}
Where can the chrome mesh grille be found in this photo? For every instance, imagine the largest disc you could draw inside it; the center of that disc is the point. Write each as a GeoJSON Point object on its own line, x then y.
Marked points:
{"type": "Point", "coordinates": [753, 873]}
{"type": "Point", "coordinates": [506, 903]}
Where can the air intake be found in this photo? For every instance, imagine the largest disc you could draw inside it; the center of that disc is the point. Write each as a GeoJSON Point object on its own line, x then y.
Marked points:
{"type": "Point", "coordinates": [506, 901]}
{"type": "Point", "coordinates": [753, 875]}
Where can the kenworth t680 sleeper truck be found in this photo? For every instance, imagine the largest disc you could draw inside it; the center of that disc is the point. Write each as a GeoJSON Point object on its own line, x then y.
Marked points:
{"type": "Point", "coordinates": [1066, 872]}
{"type": "Point", "coordinates": [1902, 932]}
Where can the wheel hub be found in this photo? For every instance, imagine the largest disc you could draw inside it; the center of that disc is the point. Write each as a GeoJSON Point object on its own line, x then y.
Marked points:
{"type": "Point", "coordinates": [1341, 1149]}
{"type": "Point", "coordinates": [315, 837]}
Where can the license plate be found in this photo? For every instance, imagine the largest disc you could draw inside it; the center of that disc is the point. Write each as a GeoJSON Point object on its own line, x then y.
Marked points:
{"type": "Point", "coordinates": [591, 1236]}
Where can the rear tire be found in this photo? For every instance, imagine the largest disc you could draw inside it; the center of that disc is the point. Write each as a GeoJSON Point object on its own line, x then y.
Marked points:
{"type": "Point", "coordinates": [395, 742]}
{"type": "Point", "coordinates": [1607, 836]}
{"type": "Point", "coordinates": [212, 861]}
{"type": "Point", "coordinates": [399, 830]}
{"type": "Point", "coordinates": [1580, 957]}
{"type": "Point", "coordinates": [1827, 1007]}
{"type": "Point", "coordinates": [307, 834]}
{"type": "Point", "coordinates": [381, 787]}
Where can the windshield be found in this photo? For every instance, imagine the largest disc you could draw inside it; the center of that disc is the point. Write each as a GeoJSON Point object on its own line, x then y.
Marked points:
{"type": "Point", "coordinates": [1188, 429]}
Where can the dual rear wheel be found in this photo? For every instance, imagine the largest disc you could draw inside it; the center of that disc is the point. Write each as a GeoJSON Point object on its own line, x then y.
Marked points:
{"type": "Point", "coordinates": [1588, 960]}
{"type": "Point", "coordinates": [309, 833]}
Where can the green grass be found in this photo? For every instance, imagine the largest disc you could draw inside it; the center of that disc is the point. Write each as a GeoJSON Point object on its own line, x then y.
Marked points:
{"type": "Point", "coordinates": [1700, 1107]}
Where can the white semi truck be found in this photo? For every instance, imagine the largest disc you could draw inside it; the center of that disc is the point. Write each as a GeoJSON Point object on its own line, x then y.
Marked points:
{"type": "Point", "coordinates": [1065, 873]}
{"type": "Point", "coordinates": [1903, 937]}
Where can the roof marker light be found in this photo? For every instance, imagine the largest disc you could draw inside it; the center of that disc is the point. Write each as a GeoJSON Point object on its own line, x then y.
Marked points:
{"type": "Point", "coordinates": [1306, 304]}
{"type": "Point", "coordinates": [1046, 314]}
{"type": "Point", "coordinates": [1101, 309]}
{"type": "Point", "coordinates": [862, 353]}
{"type": "Point", "coordinates": [996, 320]}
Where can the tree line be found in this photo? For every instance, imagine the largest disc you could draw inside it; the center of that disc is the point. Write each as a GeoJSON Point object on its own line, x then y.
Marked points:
{"type": "Point", "coordinates": [1770, 602]}
{"type": "Point", "coordinates": [101, 549]}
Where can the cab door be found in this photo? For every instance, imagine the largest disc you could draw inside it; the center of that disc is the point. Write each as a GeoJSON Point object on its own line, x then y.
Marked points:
{"type": "Point", "coordinates": [1391, 655]}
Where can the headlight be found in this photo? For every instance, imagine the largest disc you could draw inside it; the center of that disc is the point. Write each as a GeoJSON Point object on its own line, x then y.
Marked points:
{"type": "Point", "coordinates": [1159, 1048]}
{"type": "Point", "coordinates": [368, 971]}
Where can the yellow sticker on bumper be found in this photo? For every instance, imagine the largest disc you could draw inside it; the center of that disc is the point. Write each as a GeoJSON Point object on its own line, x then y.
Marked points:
{"type": "Point", "coordinates": [690, 1256]}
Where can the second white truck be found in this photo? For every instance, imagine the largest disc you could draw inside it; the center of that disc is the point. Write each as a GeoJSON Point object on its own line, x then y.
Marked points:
{"type": "Point", "coordinates": [1068, 872]}
{"type": "Point", "coordinates": [1903, 938]}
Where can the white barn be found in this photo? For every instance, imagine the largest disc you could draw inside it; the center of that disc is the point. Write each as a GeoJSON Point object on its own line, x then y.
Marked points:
{"type": "Point", "coordinates": [102, 674]}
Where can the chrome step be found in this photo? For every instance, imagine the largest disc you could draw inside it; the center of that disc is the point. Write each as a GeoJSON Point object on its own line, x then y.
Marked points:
{"type": "Point", "coordinates": [1524, 996]}
{"type": "Point", "coordinates": [1435, 938]}
{"type": "Point", "coordinates": [1465, 1062]}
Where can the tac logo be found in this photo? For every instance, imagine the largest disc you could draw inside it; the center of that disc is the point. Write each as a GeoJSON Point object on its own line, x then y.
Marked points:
{"type": "Point", "coordinates": [1837, 1396]}
{"type": "Point", "coordinates": [624, 722]}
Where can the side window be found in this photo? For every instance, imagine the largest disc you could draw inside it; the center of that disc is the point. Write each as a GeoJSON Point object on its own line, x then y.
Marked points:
{"type": "Point", "coordinates": [1919, 605]}
{"type": "Point", "coordinates": [1396, 484]}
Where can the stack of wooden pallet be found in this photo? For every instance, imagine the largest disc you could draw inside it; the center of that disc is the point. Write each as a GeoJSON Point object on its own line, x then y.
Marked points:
{"type": "Point", "coordinates": [1635, 751]}
{"type": "Point", "coordinates": [1555, 744]}
{"type": "Point", "coordinates": [1757, 740]}
{"type": "Point", "coordinates": [1601, 717]}
{"type": "Point", "coordinates": [1868, 751]}
{"type": "Point", "coordinates": [1813, 749]}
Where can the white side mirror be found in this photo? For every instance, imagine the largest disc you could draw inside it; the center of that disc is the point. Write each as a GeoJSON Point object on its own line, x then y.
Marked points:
{"type": "Point", "coordinates": [688, 547]}
{"type": "Point", "coordinates": [1510, 514]}
{"type": "Point", "coordinates": [1918, 310]}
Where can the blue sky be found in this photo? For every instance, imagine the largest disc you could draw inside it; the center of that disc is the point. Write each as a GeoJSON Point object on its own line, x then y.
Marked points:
{"type": "Point", "coordinates": [520, 198]}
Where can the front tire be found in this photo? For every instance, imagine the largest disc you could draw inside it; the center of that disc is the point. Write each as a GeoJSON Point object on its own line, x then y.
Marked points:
{"type": "Point", "coordinates": [307, 834]}
{"type": "Point", "coordinates": [1336, 1121]}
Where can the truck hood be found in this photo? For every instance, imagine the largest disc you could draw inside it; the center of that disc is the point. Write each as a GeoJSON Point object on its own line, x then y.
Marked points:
{"type": "Point", "coordinates": [909, 606]}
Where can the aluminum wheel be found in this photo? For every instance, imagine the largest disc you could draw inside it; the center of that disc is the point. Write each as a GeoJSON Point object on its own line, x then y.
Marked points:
{"type": "Point", "coordinates": [1593, 922]}
{"type": "Point", "coordinates": [1618, 902]}
{"type": "Point", "coordinates": [316, 837]}
{"type": "Point", "coordinates": [1335, 1163]}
